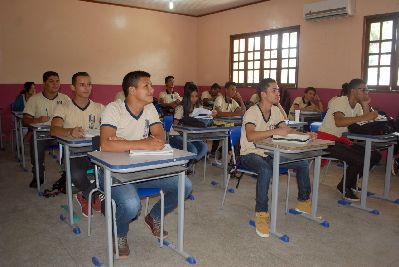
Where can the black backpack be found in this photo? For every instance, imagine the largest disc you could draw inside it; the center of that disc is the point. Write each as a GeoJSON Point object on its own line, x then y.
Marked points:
{"type": "Point", "coordinates": [374, 127]}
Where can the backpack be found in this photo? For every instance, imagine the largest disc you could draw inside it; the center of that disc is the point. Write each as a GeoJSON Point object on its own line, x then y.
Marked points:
{"type": "Point", "coordinates": [194, 122]}
{"type": "Point", "coordinates": [381, 126]}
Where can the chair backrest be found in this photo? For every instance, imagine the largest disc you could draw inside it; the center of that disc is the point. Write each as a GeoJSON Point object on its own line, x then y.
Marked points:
{"type": "Point", "coordinates": [314, 126]}
{"type": "Point", "coordinates": [235, 135]}
{"type": "Point", "coordinates": [322, 115]}
{"type": "Point", "coordinates": [95, 143]}
{"type": "Point", "coordinates": [167, 122]}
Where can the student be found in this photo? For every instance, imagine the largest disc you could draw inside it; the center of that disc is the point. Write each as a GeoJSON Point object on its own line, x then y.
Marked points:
{"type": "Point", "coordinates": [169, 99]}
{"type": "Point", "coordinates": [120, 96]}
{"type": "Point", "coordinates": [262, 121]}
{"type": "Point", "coordinates": [342, 112]}
{"type": "Point", "coordinates": [134, 124]}
{"type": "Point", "coordinates": [208, 97]}
{"type": "Point", "coordinates": [40, 109]}
{"type": "Point", "coordinates": [72, 120]}
{"type": "Point", "coordinates": [230, 105]}
{"type": "Point", "coordinates": [190, 102]}
{"type": "Point", "coordinates": [20, 102]}
{"type": "Point", "coordinates": [310, 101]}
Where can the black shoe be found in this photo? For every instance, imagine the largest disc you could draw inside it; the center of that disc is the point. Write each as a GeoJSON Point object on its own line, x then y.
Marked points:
{"type": "Point", "coordinates": [349, 194]}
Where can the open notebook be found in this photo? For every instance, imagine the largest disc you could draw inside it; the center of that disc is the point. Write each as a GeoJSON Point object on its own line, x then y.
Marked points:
{"type": "Point", "coordinates": [167, 150]}
{"type": "Point", "coordinates": [300, 139]}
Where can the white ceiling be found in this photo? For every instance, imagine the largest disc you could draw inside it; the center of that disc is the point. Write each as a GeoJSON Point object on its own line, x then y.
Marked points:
{"type": "Point", "coordinates": [186, 7]}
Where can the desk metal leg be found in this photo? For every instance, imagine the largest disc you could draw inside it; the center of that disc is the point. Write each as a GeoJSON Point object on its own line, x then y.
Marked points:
{"type": "Point", "coordinates": [36, 160]}
{"type": "Point", "coordinates": [387, 181]}
{"type": "Point", "coordinates": [366, 168]}
{"type": "Point", "coordinates": [68, 183]}
{"type": "Point", "coordinates": [315, 196]}
{"type": "Point", "coordinates": [225, 162]}
{"type": "Point", "coordinates": [21, 136]}
{"type": "Point", "coordinates": [108, 216]}
{"type": "Point", "coordinates": [275, 183]}
{"type": "Point", "coordinates": [184, 140]}
{"type": "Point", "coordinates": [17, 136]}
{"type": "Point", "coordinates": [180, 212]}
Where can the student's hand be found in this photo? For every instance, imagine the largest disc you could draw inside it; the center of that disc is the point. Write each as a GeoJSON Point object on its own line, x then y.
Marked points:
{"type": "Point", "coordinates": [44, 118]}
{"type": "Point", "coordinates": [154, 143]}
{"type": "Point", "coordinates": [316, 99]}
{"type": "Point", "coordinates": [284, 131]}
{"type": "Point", "coordinates": [115, 138]}
{"type": "Point", "coordinates": [77, 132]}
{"type": "Point", "coordinates": [370, 116]}
{"type": "Point", "coordinates": [313, 136]}
{"type": "Point", "coordinates": [214, 113]}
{"type": "Point", "coordinates": [237, 97]}
{"type": "Point", "coordinates": [174, 104]}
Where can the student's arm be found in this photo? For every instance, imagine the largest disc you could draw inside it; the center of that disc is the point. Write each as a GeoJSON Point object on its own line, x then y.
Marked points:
{"type": "Point", "coordinates": [242, 107]}
{"type": "Point", "coordinates": [342, 121]}
{"type": "Point", "coordinates": [253, 135]}
{"type": "Point", "coordinates": [111, 143]}
{"type": "Point", "coordinates": [28, 119]}
{"type": "Point", "coordinates": [57, 129]}
{"type": "Point", "coordinates": [282, 111]}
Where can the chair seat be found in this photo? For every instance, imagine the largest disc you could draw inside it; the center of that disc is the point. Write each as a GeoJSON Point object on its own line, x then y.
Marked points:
{"type": "Point", "coordinates": [147, 192]}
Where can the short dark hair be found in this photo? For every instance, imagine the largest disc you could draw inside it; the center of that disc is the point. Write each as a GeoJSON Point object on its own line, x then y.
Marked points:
{"type": "Point", "coordinates": [77, 74]}
{"type": "Point", "coordinates": [131, 79]}
{"type": "Point", "coordinates": [310, 88]}
{"type": "Point", "coordinates": [229, 83]}
{"type": "Point", "coordinates": [27, 87]}
{"type": "Point", "coordinates": [47, 75]}
{"type": "Point", "coordinates": [216, 86]}
{"type": "Point", "coordinates": [167, 78]}
{"type": "Point", "coordinates": [347, 87]}
{"type": "Point", "coordinates": [263, 85]}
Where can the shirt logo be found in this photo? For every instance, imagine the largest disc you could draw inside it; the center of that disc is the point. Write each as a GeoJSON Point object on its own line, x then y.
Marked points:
{"type": "Point", "coordinates": [59, 102]}
{"type": "Point", "coordinates": [146, 128]}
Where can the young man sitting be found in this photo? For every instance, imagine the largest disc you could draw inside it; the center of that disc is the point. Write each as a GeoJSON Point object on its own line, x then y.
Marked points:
{"type": "Point", "coordinates": [208, 97]}
{"type": "Point", "coordinates": [262, 121]}
{"type": "Point", "coordinates": [342, 112]}
{"type": "Point", "coordinates": [169, 99]}
{"type": "Point", "coordinates": [72, 120]}
{"type": "Point", "coordinates": [310, 101]}
{"type": "Point", "coordinates": [230, 105]}
{"type": "Point", "coordinates": [134, 125]}
{"type": "Point", "coordinates": [39, 109]}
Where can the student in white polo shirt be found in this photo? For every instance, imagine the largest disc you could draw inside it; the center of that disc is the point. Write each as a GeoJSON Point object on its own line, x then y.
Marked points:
{"type": "Point", "coordinates": [226, 106]}
{"type": "Point", "coordinates": [39, 109]}
{"type": "Point", "coordinates": [208, 97]}
{"type": "Point", "coordinates": [262, 121]}
{"type": "Point", "coordinates": [342, 112]}
{"type": "Point", "coordinates": [134, 124]}
{"type": "Point", "coordinates": [310, 101]}
{"type": "Point", "coordinates": [73, 119]}
{"type": "Point", "coordinates": [169, 99]}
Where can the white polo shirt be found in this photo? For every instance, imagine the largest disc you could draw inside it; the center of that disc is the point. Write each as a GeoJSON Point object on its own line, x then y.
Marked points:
{"type": "Point", "coordinates": [127, 125]}
{"type": "Point", "coordinates": [39, 105]}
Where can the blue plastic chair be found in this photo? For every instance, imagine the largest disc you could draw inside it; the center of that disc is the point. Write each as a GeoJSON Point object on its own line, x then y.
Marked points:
{"type": "Point", "coordinates": [234, 138]}
{"type": "Point", "coordinates": [315, 126]}
{"type": "Point", "coordinates": [167, 125]}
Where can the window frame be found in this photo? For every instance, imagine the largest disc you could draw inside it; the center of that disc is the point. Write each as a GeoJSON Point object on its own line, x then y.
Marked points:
{"type": "Point", "coordinates": [262, 35]}
{"type": "Point", "coordinates": [368, 20]}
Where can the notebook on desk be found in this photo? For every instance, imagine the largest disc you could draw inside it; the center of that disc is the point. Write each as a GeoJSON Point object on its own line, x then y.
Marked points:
{"type": "Point", "coordinates": [90, 133]}
{"type": "Point", "coordinates": [167, 150]}
{"type": "Point", "coordinates": [300, 139]}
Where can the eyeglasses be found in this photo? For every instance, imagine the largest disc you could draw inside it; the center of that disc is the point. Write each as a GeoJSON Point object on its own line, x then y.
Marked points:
{"type": "Point", "coordinates": [365, 90]}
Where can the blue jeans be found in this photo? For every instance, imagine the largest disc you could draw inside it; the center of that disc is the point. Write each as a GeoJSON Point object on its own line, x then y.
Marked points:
{"type": "Point", "coordinates": [128, 203]}
{"type": "Point", "coordinates": [263, 166]}
{"type": "Point", "coordinates": [197, 147]}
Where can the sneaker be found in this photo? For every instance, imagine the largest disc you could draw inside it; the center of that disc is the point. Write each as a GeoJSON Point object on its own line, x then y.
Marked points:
{"type": "Point", "coordinates": [262, 224]}
{"type": "Point", "coordinates": [155, 226]}
{"type": "Point", "coordinates": [304, 206]}
{"type": "Point", "coordinates": [349, 194]}
{"type": "Point", "coordinates": [33, 183]}
{"type": "Point", "coordinates": [123, 247]}
{"type": "Point", "coordinates": [96, 203]}
{"type": "Point", "coordinates": [84, 204]}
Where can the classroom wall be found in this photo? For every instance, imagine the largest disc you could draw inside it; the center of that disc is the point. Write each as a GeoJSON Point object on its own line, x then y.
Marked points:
{"type": "Point", "coordinates": [109, 41]}
{"type": "Point", "coordinates": [330, 51]}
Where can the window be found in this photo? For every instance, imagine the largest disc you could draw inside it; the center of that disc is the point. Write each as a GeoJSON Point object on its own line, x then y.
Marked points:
{"type": "Point", "coordinates": [380, 62]}
{"type": "Point", "coordinates": [266, 54]}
